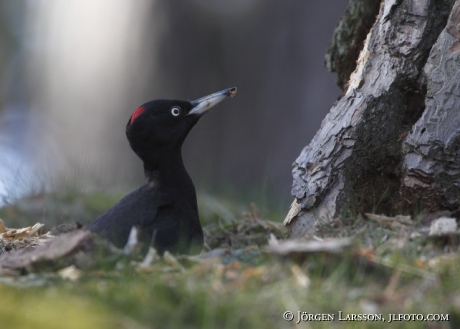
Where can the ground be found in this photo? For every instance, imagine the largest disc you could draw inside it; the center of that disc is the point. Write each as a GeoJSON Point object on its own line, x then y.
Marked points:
{"type": "Point", "coordinates": [247, 277]}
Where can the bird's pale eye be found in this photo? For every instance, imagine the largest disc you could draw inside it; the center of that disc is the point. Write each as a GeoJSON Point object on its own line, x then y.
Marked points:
{"type": "Point", "coordinates": [175, 111]}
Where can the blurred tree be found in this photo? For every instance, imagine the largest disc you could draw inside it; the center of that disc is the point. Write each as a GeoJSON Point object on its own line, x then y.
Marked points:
{"type": "Point", "coordinates": [392, 143]}
{"type": "Point", "coordinates": [272, 52]}
{"type": "Point", "coordinates": [86, 65]}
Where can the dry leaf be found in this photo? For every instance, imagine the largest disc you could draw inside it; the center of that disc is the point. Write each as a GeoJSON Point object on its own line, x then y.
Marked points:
{"type": "Point", "coordinates": [284, 247]}
{"type": "Point", "coordinates": [149, 258]}
{"type": "Point", "coordinates": [443, 225]}
{"type": "Point", "coordinates": [443, 260]}
{"type": "Point", "coordinates": [253, 272]}
{"type": "Point", "coordinates": [70, 273]}
{"type": "Point", "coordinates": [301, 278]}
{"type": "Point", "coordinates": [55, 249]}
{"type": "Point", "coordinates": [396, 222]}
{"type": "Point", "coordinates": [132, 242]}
{"type": "Point", "coordinates": [172, 261]}
{"type": "Point", "coordinates": [14, 239]}
{"type": "Point", "coordinates": [10, 234]}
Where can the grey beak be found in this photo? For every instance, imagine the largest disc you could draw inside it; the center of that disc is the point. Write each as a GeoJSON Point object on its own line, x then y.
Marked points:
{"type": "Point", "coordinates": [203, 104]}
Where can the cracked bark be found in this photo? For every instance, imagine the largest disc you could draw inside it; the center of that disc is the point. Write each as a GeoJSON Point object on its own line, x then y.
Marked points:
{"type": "Point", "coordinates": [395, 131]}
{"type": "Point", "coordinates": [432, 148]}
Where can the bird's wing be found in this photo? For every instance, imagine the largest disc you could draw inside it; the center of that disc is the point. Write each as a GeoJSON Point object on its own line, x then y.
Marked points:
{"type": "Point", "coordinates": [139, 208]}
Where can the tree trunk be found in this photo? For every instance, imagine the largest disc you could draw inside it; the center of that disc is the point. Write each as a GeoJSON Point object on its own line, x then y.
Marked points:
{"type": "Point", "coordinates": [349, 37]}
{"type": "Point", "coordinates": [392, 141]}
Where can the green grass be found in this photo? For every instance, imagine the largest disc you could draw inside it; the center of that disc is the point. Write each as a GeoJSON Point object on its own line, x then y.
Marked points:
{"type": "Point", "coordinates": [384, 272]}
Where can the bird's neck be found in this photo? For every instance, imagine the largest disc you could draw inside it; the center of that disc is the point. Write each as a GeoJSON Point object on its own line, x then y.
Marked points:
{"type": "Point", "coordinates": [166, 168]}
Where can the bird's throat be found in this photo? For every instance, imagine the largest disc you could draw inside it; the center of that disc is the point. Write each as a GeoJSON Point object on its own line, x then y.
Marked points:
{"type": "Point", "coordinates": [165, 169]}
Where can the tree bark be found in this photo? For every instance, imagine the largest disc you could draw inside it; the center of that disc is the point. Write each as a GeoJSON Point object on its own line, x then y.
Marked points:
{"type": "Point", "coordinates": [360, 160]}
{"type": "Point", "coordinates": [348, 38]}
{"type": "Point", "coordinates": [432, 148]}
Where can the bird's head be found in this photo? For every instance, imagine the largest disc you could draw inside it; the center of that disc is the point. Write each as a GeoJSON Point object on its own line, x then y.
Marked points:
{"type": "Point", "coordinates": [164, 124]}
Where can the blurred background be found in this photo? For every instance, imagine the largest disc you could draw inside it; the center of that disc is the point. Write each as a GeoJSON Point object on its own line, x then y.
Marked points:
{"type": "Point", "coordinates": [73, 71]}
